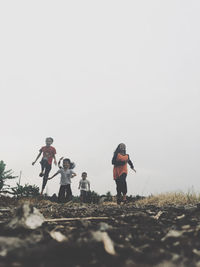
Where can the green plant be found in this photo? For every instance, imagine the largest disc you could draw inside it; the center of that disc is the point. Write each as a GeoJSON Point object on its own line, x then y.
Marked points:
{"type": "Point", "coordinates": [25, 191]}
{"type": "Point", "coordinates": [108, 196]}
{"type": "Point", "coordinates": [5, 175]}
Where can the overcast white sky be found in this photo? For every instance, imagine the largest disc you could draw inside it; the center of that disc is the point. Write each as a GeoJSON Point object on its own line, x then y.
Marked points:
{"type": "Point", "coordinates": [93, 74]}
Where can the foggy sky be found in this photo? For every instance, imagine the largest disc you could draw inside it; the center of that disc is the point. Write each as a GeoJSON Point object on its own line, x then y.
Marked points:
{"type": "Point", "coordinates": [93, 74]}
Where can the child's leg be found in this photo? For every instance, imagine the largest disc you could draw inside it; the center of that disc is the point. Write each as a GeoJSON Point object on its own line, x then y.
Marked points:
{"type": "Point", "coordinates": [118, 188]}
{"type": "Point", "coordinates": [81, 195]}
{"type": "Point", "coordinates": [42, 162]}
{"type": "Point", "coordinates": [69, 192]}
{"type": "Point", "coordinates": [47, 169]}
{"type": "Point", "coordinates": [61, 194]}
{"type": "Point", "coordinates": [43, 184]}
{"type": "Point", "coordinates": [85, 196]}
{"type": "Point", "coordinates": [123, 185]}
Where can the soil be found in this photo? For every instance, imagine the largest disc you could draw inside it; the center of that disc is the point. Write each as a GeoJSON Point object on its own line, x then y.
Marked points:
{"type": "Point", "coordinates": [101, 235]}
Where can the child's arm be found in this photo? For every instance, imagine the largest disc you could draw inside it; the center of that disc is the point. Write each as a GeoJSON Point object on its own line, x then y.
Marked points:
{"type": "Point", "coordinates": [55, 162]}
{"type": "Point", "coordinates": [37, 158]}
{"type": "Point", "coordinates": [79, 185]}
{"type": "Point", "coordinates": [59, 162]}
{"type": "Point", "coordinates": [73, 175]}
{"type": "Point", "coordinates": [131, 164]}
{"type": "Point", "coordinates": [89, 185]}
{"type": "Point", "coordinates": [54, 175]}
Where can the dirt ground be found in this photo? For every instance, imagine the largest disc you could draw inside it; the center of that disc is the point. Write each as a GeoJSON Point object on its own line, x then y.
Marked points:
{"type": "Point", "coordinates": [101, 235]}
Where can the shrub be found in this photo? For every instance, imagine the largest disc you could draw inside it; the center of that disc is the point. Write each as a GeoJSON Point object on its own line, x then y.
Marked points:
{"type": "Point", "coordinates": [25, 191]}
{"type": "Point", "coordinates": [4, 176]}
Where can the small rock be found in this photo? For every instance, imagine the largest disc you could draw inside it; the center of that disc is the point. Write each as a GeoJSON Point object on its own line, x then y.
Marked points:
{"type": "Point", "coordinates": [103, 227]}
{"type": "Point", "coordinates": [27, 217]}
{"type": "Point", "coordinates": [108, 243]}
{"type": "Point", "coordinates": [58, 236]}
{"type": "Point", "coordinates": [157, 216]}
{"type": "Point", "coordinates": [186, 227]}
{"type": "Point", "coordinates": [176, 244]}
{"type": "Point", "coordinates": [195, 251]}
{"type": "Point", "coordinates": [166, 264]}
{"type": "Point", "coordinates": [172, 233]}
{"type": "Point", "coordinates": [8, 244]}
{"type": "Point", "coordinates": [180, 217]}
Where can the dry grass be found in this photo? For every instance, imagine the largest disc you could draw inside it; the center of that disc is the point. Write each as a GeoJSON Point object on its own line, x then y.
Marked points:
{"type": "Point", "coordinates": [173, 198]}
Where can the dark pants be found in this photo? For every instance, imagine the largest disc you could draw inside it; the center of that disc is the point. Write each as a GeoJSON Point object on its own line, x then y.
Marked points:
{"type": "Point", "coordinates": [84, 196]}
{"type": "Point", "coordinates": [45, 167]}
{"type": "Point", "coordinates": [65, 193]}
{"type": "Point", "coordinates": [121, 185]}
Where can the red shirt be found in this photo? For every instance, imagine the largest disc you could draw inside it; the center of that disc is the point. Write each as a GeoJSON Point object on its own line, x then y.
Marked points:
{"type": "Point", "coordinates": [48, 153]}
{"type": "Point", "coordinates": [119, 170]}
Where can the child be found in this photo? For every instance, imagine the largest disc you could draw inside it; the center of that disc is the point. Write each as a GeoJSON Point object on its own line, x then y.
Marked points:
{"type": "Point", "coordinates": [84, 186]}
{"type": "Point", "coordinates": [46, 162]}
{"type": "Point", "coordinates": [65, 192]}
{"type": "Point", "coordinates": [120, 170]}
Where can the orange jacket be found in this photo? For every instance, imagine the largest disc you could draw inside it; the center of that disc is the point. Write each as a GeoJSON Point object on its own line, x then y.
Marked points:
{"type": "Point", "coordinates": [119, 170]}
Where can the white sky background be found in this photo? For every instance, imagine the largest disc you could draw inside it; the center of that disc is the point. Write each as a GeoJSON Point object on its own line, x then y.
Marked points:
{"type": "Point", "coordinates": [92, 74]}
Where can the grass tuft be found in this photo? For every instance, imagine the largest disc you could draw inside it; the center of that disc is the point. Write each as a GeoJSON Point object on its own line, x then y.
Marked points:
{"type": "Point", "coordinates": [170, 198]}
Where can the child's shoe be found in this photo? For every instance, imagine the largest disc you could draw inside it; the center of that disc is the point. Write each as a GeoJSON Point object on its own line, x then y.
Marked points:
{"type": "Point", "coordinates": [118, 200]}
{"type": "Point", "coordinates": [124, 200]}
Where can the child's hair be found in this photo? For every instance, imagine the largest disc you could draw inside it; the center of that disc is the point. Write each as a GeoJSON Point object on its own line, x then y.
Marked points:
{"type": "Point", "coordinates": [84, 173]}
{"type": "Point", "coordinates": [49, 138]}
{"type": "Point", "coordinates": [117, 150]}
{"type": "Point", "coordinates": [72, 164]}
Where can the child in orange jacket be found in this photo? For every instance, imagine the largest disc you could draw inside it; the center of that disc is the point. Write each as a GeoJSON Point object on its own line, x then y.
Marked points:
{"type": "Point", "coordinates": [120, 170]}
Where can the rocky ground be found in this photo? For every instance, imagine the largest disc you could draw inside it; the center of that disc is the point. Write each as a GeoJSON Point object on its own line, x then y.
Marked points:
{"type": "Point", "coordinates": [98, 235]}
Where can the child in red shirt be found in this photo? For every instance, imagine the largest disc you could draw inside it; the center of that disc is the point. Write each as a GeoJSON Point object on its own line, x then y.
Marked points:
{"type": "Point", "coordinates": [46, 162]}
{"type": "Point", "coordinates": [120, 170]}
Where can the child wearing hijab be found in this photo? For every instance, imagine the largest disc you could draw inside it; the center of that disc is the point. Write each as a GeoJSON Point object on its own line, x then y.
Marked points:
{"type": "Point", "coordinates": [120, 170]}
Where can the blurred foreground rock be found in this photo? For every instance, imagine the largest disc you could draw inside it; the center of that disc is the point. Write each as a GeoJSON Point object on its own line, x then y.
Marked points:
{"type": "Point", "coordinates": [27, 217]}
{"type": "Point", "coordinates": [99, 235]}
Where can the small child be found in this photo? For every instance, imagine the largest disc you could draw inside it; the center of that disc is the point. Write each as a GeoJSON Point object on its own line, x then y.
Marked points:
{"type": "Point", "coordinates": [84, 186]}
{"type": "Point", "coordinates": [65, 192]}
{"type": "Point", "coordinates": [46, 162]}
